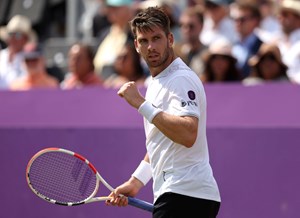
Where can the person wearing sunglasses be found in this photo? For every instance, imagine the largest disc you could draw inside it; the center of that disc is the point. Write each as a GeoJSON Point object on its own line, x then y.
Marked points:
{"type": "Point", "coordinates": [15, 34]}
{"type": "Point", "coordinates": [190, 48]}
{"type": "Point", "coordinates": [247, 19]}
{"type": "Point", "coordinates": [36, 75]}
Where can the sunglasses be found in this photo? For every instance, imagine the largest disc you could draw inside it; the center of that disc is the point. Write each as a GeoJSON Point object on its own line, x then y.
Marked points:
{"type": "Point", "coordinates": [242, 19]}
{"type": "Point", "coordinates": [16, 35]}
{"type": "Point", "coordinates": [190, 26]}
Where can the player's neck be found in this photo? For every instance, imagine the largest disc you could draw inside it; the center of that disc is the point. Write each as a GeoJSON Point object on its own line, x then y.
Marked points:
{"type": "Point", "coordinates": [157, 70]}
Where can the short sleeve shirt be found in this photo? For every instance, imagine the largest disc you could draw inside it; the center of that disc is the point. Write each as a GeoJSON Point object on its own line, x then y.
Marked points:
{"type": "Point", "coordinates": [178, 91]}
{"type": "Point", "coordinates": [10, 70]}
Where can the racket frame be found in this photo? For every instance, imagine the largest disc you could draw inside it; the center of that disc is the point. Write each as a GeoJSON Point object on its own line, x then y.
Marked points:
{"type": "Point", "coordinates": [89, 199]}
{"type": "Point", "coordinates": [132, 201]}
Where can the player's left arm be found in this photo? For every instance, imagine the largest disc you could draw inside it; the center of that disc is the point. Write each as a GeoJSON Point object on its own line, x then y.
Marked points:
{"type": "Point", "coordinates": [182, 130]}
{"type": "Point", "coordinates": [179, 121]}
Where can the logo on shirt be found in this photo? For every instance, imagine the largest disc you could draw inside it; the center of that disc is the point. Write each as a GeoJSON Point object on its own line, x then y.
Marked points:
{"type": "Point", "coordinates": [192, 96]}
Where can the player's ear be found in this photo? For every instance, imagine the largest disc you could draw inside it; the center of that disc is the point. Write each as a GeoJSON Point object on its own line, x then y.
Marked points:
{"type": "Point", "coordinates": [171, 39]}
{"type": "Point", "coordinates": [136, 47]}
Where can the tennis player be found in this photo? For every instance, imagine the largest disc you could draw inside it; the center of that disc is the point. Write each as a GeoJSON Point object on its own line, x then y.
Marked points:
{"type": "Point", "coordinates": [174, 111]}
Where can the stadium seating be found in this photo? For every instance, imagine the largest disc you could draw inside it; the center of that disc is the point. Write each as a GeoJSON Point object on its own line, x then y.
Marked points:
{"type": "Point", "coordinates": [4, 8]}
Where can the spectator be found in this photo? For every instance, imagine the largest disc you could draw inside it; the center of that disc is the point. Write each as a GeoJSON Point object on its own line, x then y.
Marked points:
{"type": "Point", "coordinates": [127, 67]}
{"type": "Point", "coordinates": [119, 13]}
{"type": "Point", "coordinates": [269, 25]}
{"type": "Point", "coordinates": [267, 66]}
{"type": "Point", "coordinates": [36, 72]}
{"type": "Point", "coordinates": [220, 65]}
{"type": "Point", "coordinates": [247, 19]}
{"type": "Point", "coordinates": [15, 35]}
{"type": "Point", "coordinates": [81, 68]}
{"type": "Point", "coordinates": [190, 48]}
{"type": "Point", "coordinates": [289, 42]}
{"type": "Point", "coordinates": [217, 23]}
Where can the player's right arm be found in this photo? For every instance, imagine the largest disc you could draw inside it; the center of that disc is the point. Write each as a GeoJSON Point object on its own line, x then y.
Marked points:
{"type": "Point", "coordinates": [128, 188]}
{"type": "Point", "coordinates": [182, 130]}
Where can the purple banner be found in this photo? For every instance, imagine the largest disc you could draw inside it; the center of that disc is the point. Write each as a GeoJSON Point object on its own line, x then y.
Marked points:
{"type": "Point", "coordinates": [253, 135]}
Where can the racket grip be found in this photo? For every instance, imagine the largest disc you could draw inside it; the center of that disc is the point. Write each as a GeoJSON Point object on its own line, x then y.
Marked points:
{"type": "Point", "coordinates": [140, 204]}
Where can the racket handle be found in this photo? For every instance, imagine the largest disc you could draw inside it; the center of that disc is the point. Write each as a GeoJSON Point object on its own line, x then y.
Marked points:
{"type": "Point", "coordinates": [140, 204]}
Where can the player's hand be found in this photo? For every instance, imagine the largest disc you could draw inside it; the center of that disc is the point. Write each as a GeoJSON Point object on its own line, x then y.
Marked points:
{"type": "Point", "coordinates": [129, 188]}
{"type": "Point", "coordinates": [131, 94]}
{"type": "Point", "coordinates": [117, 199]}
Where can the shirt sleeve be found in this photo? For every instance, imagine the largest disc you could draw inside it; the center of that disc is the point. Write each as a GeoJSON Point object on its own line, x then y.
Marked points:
{"type": "Point", "coordinates": [186, 96]}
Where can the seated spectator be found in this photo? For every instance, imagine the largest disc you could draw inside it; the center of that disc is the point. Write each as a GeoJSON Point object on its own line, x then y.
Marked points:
{"type": "Point", "coordinates": [36, 72]}
{"type": "Point", "coordinates": [15, 34]}
{"type": "Point", "coordinates": [217, 22]}
{"type": "Point", "coordinates": [127, 67]}
{"type": "Point", "coordinates": [220, 65]}
{"type": "Point", "coordinates": [190, 48]}
{"type": "Point", "coordinates": [267, 66]}
{"type": "Point", "coordinates": [81, 68]}
{"type": "Point", "coordinates": [289, 42]}
{"type": "Point", "coordinates": [247, 19]}
{"type": "Point", "coordinates": [119, 13]}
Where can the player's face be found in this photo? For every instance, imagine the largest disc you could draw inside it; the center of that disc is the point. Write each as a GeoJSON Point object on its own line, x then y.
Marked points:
{"type": "Point", "coordinates": [155, 47]}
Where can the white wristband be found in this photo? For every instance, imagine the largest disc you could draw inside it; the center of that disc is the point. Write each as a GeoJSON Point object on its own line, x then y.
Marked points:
{"type": "Point", "coordinates": [148, 110]}
{"type": "Point", "coordinates": [143, 172]}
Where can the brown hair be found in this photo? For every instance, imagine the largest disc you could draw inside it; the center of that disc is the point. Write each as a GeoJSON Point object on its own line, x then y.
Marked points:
{"type": "Point", "coordinates": [151, 17]}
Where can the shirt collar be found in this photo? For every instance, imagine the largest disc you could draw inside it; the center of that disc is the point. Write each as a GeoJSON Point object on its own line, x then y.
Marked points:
{"type": "Point", "coordinates": [168, 69]}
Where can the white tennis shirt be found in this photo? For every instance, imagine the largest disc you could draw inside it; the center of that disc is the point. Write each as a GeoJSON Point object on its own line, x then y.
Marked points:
{"type": "Point", "coordinates": [178, 90]}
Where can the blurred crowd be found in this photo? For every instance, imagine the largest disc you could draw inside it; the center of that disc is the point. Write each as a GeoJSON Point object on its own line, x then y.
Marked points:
{"type": "Point", "coordinates": [224, 41]}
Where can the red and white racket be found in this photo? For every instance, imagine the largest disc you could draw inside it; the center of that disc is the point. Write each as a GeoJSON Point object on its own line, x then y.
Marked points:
{"type": "Point", "coordinates": [63, 177]}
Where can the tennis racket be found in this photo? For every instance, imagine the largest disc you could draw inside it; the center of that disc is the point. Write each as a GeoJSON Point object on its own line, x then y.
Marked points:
{"type": "Point", "coordinates": [65, 178]}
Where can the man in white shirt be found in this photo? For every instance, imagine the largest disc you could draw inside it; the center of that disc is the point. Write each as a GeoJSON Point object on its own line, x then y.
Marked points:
{"type": "Point", "coordinates": [16, 34]}
{"type": "Point", "coordinates": [174, 111]}
{"type": "Point", "coordinates": [289, 42]}
{"type": "Point", "coordinates": [217, 23]}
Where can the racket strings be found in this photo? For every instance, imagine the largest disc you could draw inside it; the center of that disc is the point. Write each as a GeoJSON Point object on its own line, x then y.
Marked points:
{"type": "Point", "coordinates": [62, 177]}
